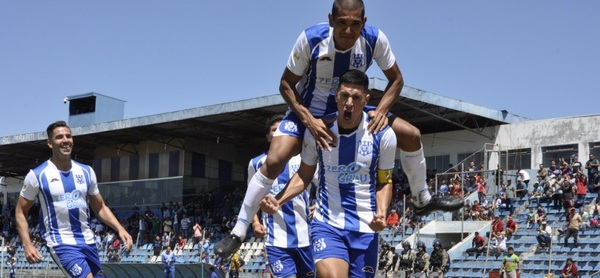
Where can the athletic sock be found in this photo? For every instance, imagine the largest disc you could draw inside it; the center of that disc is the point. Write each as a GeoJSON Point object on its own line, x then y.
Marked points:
{"type": "Point", "coordinates": [415, 168]}
{"type": "Point", "coordinates": [258, 187]}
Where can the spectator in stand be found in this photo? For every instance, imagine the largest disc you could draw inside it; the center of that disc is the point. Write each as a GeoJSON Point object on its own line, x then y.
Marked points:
{"type": "Point", "coordinates": [481, 188]}
{"type": "Point", "coordinates": [497, 226]}
{"type": "Point", "coordinates": [569, 189]}
{"type": "Point", "coordinates": [522, 183]}
{"type": "Point", "coordinates": [197, 233]}
{"type": "Point", "coordinates": [477, 245]}
{"type": "Point", "coordinates": [576, 166]}
{"type": "Point", "coordinates": [498, 245]}
{"type": "Point", "coordinates": [157, 246]}
{"type": "Point", "coordinates": [540, 215]}
{"type": "Point", "coordinates": [581, 182]}
{"type": "Point", "coordinates": [565, 168]}
{"type": "Point", "coordinates": [573, 228]}
{"type": "Point", "coordinates": [472, 173]}
{"type": "Point", "coordinates": [113, 256]}
{"type": "Point", "coordinates": [166, 240]}
{"type": "Point", "coordinates": [204, 258]}
{"type": "Point", "coordinates": [511, 227]}
{"type": "Point", "coordinates": [541, 175]}
{"type": "Point", "coordinates": [511, 192]}
{"type": "Point", "coordinates": [167, 225]}
{"type": "Point", "coordinates": [180, 243]}
{"type": "Point", "coordinates": [592, 169]}
{"type": "Point", "coordinates": [185, 225]}
{"type": "Point", "coordinates": [585, 219]}
{"type": "Point", "coordinates": [530, 218]}
{"type": "Point", "coordinates": [570, 269]}
{"type": "Point", "coordinates": [537, 192]}
{"type": "Point", "coordinates": [476, 211]}
{"type": "Point", "coordinates": [511, 265]}
{"type": "Point", "coordinates": [392, 219]}
{"type": "Point", "coordinates": [168, 259]}
{"type": "Point", "coordinates": [544, 236]}
{"type": "Point", "coordinates": [443, 190]}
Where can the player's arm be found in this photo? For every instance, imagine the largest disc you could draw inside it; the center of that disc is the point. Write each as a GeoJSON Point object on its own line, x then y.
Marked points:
{"type": "Point", "coordinates": [22, 210]}
{"type": "Point", "coordinates": [297, 184]}
{"type": "Point", "coordinates": [99, 207]}
{"type": "Point", "coordinates": [259, 228]}
{"type": "Point", "coordinates": [383, 197]}
{"type": "Point", "coordinates": [392, 91]}
{"type": "Point", "coordinates": [287, 89]}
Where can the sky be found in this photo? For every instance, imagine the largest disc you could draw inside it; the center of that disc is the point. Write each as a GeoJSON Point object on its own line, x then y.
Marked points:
{"type": "Point", "coordinates": [538, 59]}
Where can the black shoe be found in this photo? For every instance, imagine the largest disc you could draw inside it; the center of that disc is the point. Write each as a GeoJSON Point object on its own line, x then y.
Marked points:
{"type": "Point", "coordinates": [449, 203]}
{"type": "Point", "coordinates": [227, 246]}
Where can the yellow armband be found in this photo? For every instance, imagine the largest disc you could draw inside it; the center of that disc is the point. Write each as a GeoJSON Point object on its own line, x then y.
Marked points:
{"type": "Point", "coordinates": [384, 176]}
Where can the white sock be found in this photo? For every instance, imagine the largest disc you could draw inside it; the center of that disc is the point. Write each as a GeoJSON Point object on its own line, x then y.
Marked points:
{"type": "Point", "coordinates": [415, 168]}
{"type": "Point", "coordinates": [258, 187]}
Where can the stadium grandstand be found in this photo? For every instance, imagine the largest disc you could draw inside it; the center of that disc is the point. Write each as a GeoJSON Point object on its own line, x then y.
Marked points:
{"type": "Point", "coordinates": [161, 174]}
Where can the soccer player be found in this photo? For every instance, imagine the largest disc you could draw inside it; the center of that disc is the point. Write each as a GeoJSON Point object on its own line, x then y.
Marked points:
{"type": "Point", "coordinates": [322, 53]}
{"type": "Point", "coordinates": [355, 186]}
{"type": "Point", "coordinates": [288, 239]}
{"type": "Point", "coordinates": [64, 188]}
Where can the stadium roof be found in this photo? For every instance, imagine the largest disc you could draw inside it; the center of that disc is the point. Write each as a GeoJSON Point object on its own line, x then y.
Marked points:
{"type": "Point", "coordinates": [238, 123]}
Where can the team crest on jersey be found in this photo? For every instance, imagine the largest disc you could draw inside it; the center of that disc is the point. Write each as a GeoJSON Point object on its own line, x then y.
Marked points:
{"type": "Point", "coordinates": [365, 148]}
{"type": "Point", "coordinates": [277, 266]}
{"type": "Point", "coordinates": [319, 245]}
{"type": "Point", "coordinates": [79, 179]}
{"type": "Point", "coordinates": [76, 270]}
{"type": "Point", "coordinates": [358, 60]}
{"type": "Point", "coordinates": [290, 126]}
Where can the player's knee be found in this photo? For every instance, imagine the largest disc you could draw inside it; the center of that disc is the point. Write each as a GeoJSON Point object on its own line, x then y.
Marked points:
{"type": "Point", "coordinates": [408, 136]}
{"type": "Point", "coordinates": [273, 166]}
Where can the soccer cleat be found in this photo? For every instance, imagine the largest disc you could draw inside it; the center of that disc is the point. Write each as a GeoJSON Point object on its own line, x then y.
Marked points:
{"type": "Point", "coordinates": [436, 203]}
{"type": "Point", "coordinates": [227, 246]}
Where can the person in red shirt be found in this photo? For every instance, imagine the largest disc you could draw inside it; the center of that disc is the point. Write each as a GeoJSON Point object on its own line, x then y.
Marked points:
{"type": "Point", "coordinates": [497, 226]}
{"type": "Point", "coordinates": [476, 210]}
{"type": "Point", "coordinates": [570, 269]}
{"type": "Point", "coordinates": [477, 245]}
{"type": "Point", "coordinates": [511, 227]}
{"type": "Point", "coordinates": [480, 188]}
{"type": "Point", "coordinates": [392, 219]}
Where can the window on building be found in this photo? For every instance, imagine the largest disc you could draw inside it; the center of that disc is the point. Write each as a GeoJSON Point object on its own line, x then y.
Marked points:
{"type": "Point", "coordinates": [115, 168]}
{"type": "Point", "coordinates": [225, 168]}
{"type": "Point", "coordinates": [134, 167]}
{"type": "Point", "coordinates": [595, 150]}
{"type": "Point", "coordinates": [439, 163]}
{"type": "Point", "coordinates": [516, 159]}
{"type": "Point", "coordinates": [153, 165]}
{"type": "Point", "coordinates": [98, 169]}
{"type": "Point", "coordinates": [198, 165]}
{"type": "Point", "coordinates": [477, 157]}
{"type": "Point", "coordinates": [174, 163]}
{"type": "Point", "coordinates": [558, 153]}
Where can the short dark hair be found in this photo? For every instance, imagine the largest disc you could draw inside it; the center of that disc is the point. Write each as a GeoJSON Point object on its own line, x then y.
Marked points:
{"type": "Point", "coordinates": [511, 248]}
{"type": "Point", "coordinates": [350, 5]}
{"type": "Point", "coordinates": [54, 125]}
{"type": "Point", "coordinates": [569, 259]}
{"type": "Point", "coordinates": [355, 77]}
{"type": "Point", "coordinates": [270, 121]}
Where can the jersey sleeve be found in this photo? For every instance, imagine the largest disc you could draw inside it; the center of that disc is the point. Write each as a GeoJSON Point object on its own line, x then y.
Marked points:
{"type": "Point", "coordinates": [309, 152]}
{"type": "Point", "coordinates": [31, 186]}
{"type": "Point", "coordinates": [387, 153]}
{"type": "Point", "coordinates": [93, 190]}
{"type": "Point", "coordinates": [382, 54]}
{"type": "Point", "coordinates": [300, 56]}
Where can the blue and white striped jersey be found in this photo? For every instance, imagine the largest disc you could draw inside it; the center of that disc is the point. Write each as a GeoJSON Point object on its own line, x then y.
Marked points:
{"type": "Point", "coordinates": [320, 65]}
{"type": "Point", "coordinates": [347, 175]}
{"type": "Point", "coordinates": [288, 228]}
{"type": "Point", "coordinates": [63, 200]}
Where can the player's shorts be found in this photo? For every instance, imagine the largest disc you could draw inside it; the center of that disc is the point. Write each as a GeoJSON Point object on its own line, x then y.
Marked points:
{"type": "Point", "coordinates": [290, 262]}
{"type": "Point", "coordinates": [77, 260]}
{"type": "Point", "coordinates": [291, 125]}
{"type": "Point", "coordinates": [358, 249]}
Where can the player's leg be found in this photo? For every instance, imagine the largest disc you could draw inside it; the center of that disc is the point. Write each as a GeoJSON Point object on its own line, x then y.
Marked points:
{"type": "Point", "coordinates": [363, 252]}
{"type": "Point", "coordinates": [71, 261]}
{"type": "Point", "coordinates": [285, 144]}
{"type": "Point", "coordinates": [330, 250]}
{"type": "Point", "coordinates": [413, 164]}
{"type": "Point", "coordinates": [305, 262]}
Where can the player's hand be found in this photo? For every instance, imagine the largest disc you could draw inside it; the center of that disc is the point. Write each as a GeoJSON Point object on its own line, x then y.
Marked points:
{"type": "Point", "coordinates": [378, 121]}
{"type": "Point", "coordinates": [378, 223]}
{"type": "Point", "coordinates": [126, 238]}
{"type": "Point", "coordinates": [259, 230]}
{"type": "Point", "coordinates": [323, 136]}
{"type": "Point", "coordinates": [32, 255]}
{"type": "Point", "coordinates": [269, 204]}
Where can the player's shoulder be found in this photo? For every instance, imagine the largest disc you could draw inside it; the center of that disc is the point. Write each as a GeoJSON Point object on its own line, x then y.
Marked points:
{"type": "Point", "coordinates": [371, 33]}
{"type": "Point", "coordinates": [317, 33]}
